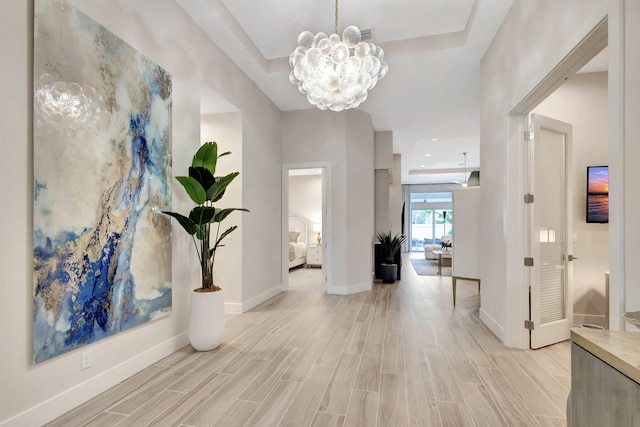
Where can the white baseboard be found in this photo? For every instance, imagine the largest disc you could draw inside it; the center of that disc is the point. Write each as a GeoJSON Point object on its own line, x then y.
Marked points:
{"type": "Point", "coordinates": [77, 395]}
{"type": "Point", "coordinates": [493, 326]}
{"type": "Point", "coordinates": [348, 290]}
{"type": "Point", "coordinates": [594, 319]}
{"type": "Point", "coordinates": [259, 299]}
{"type": "Point", "coordinates": [233, 308]}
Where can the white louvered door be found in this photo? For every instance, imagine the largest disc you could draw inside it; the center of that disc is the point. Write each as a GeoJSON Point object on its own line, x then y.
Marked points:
{"type": "Point", "coordinates": [551, 231]}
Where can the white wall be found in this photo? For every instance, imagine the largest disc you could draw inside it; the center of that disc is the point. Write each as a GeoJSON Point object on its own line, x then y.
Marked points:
{"type": "Point", "coordinates": [32, 395]}
{"type": "Point", "coordinates": [395, 195]}
{"type": "Point", "coordinates": [388, 190]}
{"type": "Point", "coordinates": [261, 183]}
{"type": "Point", "coordinates": [582, 102]}
{"type": "Point", "coordinates": [381, 207]}
{"type": "Point", "coordinates": [305, 200]}
{"type": "Point", "coordinates": [360, 201]}
{"type": "Point", "coordinates": [624, 151]}
{"type": "Point", "coordinates": [533, 39]}
{"type": "Point", "coordinates": [345, 141]}
{"type": "Point", "coordinates": [226, 130]}
{"type": "Point", "coordinates": [383, 150]}
{"type": "Point", "coordinates": [383, 165]}
{"type": "Point", "coordinates": [519, 58]}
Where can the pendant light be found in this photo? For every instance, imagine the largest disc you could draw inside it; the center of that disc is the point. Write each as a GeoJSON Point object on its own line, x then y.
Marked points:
{"type": "Point", "coordinates": [336, 73]}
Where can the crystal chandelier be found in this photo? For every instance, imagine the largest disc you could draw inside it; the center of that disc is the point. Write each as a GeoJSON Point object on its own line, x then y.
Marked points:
{"type": "Point", "coordinates": [336, 73]}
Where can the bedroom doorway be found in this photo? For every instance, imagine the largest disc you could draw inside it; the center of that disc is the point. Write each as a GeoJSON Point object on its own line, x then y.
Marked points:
{"type": "Point", "coordinates": [305, 219]}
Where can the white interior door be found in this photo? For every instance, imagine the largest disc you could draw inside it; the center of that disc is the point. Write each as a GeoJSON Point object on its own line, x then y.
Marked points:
{"type": "Point", "coordinates": [551, 231]}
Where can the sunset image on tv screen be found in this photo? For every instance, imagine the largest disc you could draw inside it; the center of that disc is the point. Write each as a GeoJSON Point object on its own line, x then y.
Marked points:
{"type": "Point", "coordinates": [598, 180]}
{"type": "Point", "coordinates": [598, 194]}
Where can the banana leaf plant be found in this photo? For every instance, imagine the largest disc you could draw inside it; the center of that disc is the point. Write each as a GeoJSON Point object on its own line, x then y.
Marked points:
{"type": "Point", "coordinates": [205, 189]}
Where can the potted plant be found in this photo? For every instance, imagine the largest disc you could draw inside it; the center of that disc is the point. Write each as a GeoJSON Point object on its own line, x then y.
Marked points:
{"type": "Point", "coordinates": [206, 324]}
{"type": "Point", "coordinates": [390, 246]}
{"type": "Point", "coordinates": [446, 245]}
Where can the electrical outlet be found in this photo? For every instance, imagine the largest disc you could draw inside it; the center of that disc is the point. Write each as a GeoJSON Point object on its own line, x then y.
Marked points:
{"type": "Point", "coordinates": [86, 360]}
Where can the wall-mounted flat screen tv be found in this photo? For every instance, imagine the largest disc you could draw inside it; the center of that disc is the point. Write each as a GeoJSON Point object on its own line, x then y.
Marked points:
{"type": "Point", "coordinates": [598, 194]}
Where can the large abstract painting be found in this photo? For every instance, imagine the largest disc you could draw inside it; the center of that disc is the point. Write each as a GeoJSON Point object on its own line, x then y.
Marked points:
{"type": "Point", "coordinates": [102, 171]}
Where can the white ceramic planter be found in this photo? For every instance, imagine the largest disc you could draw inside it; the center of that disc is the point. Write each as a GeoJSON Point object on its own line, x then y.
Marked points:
{"type": "Point", "coordinates": [206, 324]}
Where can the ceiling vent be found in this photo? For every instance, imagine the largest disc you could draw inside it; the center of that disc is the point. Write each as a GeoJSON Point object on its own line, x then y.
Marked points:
{"type": "Point", "coordinates": [366, 34]}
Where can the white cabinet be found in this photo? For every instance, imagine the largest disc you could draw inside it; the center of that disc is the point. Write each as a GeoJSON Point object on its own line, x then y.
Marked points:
{"type": "Point", "coordinates": [466, 231]}
{"type": "Point", "coordinates": [314, 256]}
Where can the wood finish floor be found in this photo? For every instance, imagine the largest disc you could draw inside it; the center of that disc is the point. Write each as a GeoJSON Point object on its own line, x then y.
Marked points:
{"type": "Point", "coordinates": [306, 279]}
{"type": "Point", "coordinates": [398, 355]}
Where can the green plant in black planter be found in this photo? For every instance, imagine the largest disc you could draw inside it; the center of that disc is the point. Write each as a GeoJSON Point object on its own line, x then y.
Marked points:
{"type": "Point", "coordinates": [391, 244]}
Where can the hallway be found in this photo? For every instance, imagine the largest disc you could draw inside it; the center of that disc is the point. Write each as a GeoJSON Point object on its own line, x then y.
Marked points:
{"type": "Point", "coordinates": [398, 355]}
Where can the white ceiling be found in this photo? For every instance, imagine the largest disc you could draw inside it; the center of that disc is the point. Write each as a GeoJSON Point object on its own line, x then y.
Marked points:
{"type": "Point", "coordinates": [429, 98]}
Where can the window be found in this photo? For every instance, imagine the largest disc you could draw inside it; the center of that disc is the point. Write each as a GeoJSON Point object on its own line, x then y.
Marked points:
{"type": "Point", "coordinates": [431, 217]}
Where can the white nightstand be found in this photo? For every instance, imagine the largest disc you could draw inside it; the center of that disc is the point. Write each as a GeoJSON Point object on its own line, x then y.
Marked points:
{"type": "Point", "coordinates": [314, 256]}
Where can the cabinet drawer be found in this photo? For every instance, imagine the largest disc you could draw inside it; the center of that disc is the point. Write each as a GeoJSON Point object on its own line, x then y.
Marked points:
{"type": "Point", "coordinates": [314, 256]}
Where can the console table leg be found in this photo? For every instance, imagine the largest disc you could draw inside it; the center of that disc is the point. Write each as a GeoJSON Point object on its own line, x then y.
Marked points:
{"type": "Point", "coordinates": [453, 281]}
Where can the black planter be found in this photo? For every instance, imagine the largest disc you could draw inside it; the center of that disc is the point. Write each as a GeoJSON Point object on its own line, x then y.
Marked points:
{"type": "Point", "coordinates": [388, 272]}
{"type": "Point", "coordinates": [380, 258]}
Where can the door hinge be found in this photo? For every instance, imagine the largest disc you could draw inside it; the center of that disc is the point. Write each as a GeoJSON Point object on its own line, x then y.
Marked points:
{"type": "Point", "coordinates": [528, 198]}
{"type": "Point", "coordinates": [528, 135]}
{"type": "Point", "coordinates": [528, 324]}
{"type": "Point", "coordinates": [528, 262]}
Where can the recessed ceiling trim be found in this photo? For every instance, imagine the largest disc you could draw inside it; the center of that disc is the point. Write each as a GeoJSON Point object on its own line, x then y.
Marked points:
{"type": "Point", "coordinates": [442, 171]}
{"type": "Point", "coordinates": [241, 34]}
{"type": "Point", "coordinates": [424, 44]}
{"type": "Point", "coordinates": [409, 46]}
{"type": "Point", "coordinates": [278, 65]}
{"type": "Point", "coordinates": [433, 42]}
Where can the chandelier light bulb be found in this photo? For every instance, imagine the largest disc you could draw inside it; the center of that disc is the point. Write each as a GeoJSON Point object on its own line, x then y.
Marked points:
{"type": "Point", "coordinates": [336, 73]}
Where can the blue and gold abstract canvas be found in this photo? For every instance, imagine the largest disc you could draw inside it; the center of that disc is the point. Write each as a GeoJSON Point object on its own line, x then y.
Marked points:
{"type": "Point", "coordinates": [102, 173]}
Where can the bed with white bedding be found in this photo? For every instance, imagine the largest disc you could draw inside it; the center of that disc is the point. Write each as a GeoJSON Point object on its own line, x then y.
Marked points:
{"type": "Point", "coordinates": [297, 241]}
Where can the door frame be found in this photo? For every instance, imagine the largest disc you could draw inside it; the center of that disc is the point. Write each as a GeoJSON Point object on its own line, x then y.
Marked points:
{"type": "Point", "coordinates": [326, 220]}
{"type": "Point", "coordinates": [518, 292]}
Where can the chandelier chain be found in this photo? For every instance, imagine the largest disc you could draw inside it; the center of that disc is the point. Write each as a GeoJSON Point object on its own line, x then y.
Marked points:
{"type": "Point", "coordinates": [336, 16]}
